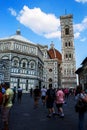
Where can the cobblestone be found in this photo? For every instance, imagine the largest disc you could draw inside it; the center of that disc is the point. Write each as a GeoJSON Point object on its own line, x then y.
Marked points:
{"type": "Point", "coordinates": [25, 117]}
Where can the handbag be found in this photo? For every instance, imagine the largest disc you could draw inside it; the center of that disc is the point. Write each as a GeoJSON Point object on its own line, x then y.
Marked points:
{"type": "Point", "coordinates": [81, 106]}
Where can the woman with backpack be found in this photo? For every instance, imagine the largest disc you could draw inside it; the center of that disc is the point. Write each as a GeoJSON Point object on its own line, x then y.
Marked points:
{"type": "Point", "coordinates": [80, 95]}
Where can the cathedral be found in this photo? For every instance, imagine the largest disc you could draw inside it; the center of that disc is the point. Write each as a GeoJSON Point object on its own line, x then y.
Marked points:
{"type": "Point", "coordinates": [26, 64]}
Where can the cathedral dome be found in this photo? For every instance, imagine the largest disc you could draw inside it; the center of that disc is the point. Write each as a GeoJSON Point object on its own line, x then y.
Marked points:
{"type": "Point", "coordinates": [53, 53]}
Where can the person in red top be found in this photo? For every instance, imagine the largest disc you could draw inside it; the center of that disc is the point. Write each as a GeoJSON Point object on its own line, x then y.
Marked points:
{"type": "Point", "coordinates": [1, 96]}
{"type": "Point", "coordinates": [59, 102]}
{"type": "Point", "coordinates": [66, 92]}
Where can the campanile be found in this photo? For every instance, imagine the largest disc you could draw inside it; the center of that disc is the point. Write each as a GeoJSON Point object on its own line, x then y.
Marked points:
{"type": "Point", "coordinates": [68, 52]}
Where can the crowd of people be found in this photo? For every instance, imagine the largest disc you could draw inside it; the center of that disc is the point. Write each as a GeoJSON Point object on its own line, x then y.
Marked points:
{"type": "Point", "coordinates": [49, 98]}
{"type": "Point", "coordinates": [59, 97]}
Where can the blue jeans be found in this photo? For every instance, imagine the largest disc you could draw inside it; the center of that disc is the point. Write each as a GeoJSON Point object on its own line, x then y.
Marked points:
{"type": "Point", "coordinates": [81, 121]}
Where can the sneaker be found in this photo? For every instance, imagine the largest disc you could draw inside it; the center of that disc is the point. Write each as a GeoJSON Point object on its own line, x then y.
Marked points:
{"type": "Point", "coordinates": [62, 115]}
{"type": "Point", "coordinates": [58, 114]}
{"type": "Point", "coordinates": [48, 116]}
{"type": "Point", "coordinates": [54, 114]}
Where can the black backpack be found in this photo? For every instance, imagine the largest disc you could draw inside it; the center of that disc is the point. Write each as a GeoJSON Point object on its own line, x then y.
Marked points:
{"type": "Point", "coordinates": [52, 94]}
{"type": "Point", "coordinates": [81, 105]}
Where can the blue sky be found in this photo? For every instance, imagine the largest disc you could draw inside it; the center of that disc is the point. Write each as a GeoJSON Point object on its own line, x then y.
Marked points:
{"type": "Point", "coordinates": [39, 22]}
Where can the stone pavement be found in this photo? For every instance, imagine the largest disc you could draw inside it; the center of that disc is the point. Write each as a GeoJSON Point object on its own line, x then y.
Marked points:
{"type": "Point", "coordinates": [25, 117]}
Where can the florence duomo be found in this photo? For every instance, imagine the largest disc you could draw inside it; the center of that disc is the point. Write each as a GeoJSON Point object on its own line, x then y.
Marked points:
{"type": "Point", "coordinates": [43, 64]}
{"type": "Point", "coordinates": [27, 64]}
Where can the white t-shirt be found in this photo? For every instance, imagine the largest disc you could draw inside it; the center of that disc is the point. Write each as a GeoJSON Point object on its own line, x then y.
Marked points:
{"type": "Point", "coordinates": [43, 91]}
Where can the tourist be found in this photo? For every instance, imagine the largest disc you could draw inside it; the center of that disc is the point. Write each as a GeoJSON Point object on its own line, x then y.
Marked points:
{"type": "Point", "coordinates": [59, 102]}
{"type": "Point", "coordinates": [31, 92]}
{"type": "Point", "coordinates": [14, 96]}
{"type": "Point", "coordinates": [36, 95]}
{"type": "Point", "coordinates": [43, 95]}
{"type": "Point", "coordinates": [7, 105]}
{"type": "Point", "coordinates": [81, 114]}
{"type": "Point", "coordinates": [19, 94]}
{"type": "Point", "coordinates": [50, 98]}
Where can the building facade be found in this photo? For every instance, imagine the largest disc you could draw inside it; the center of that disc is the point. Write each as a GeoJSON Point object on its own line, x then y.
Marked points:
{"type": "Point", "coordinates": [25, 61]}
{"type": "Point", "coordinates": [52, 61]}
{"type": "Point", "coordinates": [68, 52]}
{"type": "Point", "coordinates": [31, 64]}
{"type": "Point", "coordinates": [82, 74]}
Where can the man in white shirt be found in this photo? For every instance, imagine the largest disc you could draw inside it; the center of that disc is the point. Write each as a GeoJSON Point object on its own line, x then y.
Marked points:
{"type": "Point", "coordinates": [43, 94]}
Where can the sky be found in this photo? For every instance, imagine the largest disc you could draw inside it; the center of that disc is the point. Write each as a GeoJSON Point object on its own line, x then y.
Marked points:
{"type": "Point", "coordinates": [39, 22]}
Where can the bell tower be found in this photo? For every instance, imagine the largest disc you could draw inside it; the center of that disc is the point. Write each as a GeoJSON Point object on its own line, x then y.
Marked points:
{"type": "Point", "coordinates": [68, 52]}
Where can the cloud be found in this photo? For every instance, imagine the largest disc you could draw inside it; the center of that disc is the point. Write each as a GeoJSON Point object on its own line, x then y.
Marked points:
{"type": "Point", "coordinates": [46, 25]}
{"type": "Point", "coordinates": [39, 22]}
{"type": "Point", "coordinates": [83, 39]}
{"type": "Point", "coordinates": [80, 27]}
{"type": "Point", "coordinates": [76, 35]}
{"type": "Point", "coordinates": [13, 12]}
{"type": "Point", "coordinates": [56, 34]}
{"type": "Point", "coordinates": [81, 1]}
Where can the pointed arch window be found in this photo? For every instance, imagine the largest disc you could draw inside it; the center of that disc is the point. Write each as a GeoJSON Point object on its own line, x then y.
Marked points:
{"type": "Point", "coordinates": [32, 65]}
{"type": "Point", "coordinates": [66, 55]}
{"type": "Point", "coordinates": [65, 44]}
{"type": "Point", "coordinates": [70, 55]}
{"type": "Point", "coordinates": [69, 44]}
{"type": "Point", "coordinates": [67, 30]}
{"type": "Point", "coordinates": [15, 62]}
{"type": "Point", "coordinates": [24, 65]}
